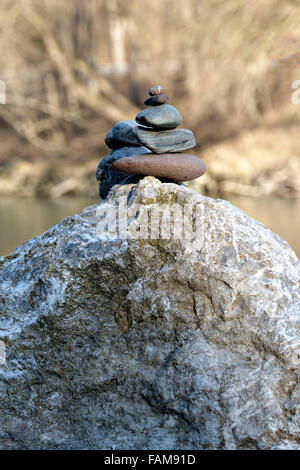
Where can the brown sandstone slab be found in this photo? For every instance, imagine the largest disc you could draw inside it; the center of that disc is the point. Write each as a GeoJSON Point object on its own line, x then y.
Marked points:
{"type": "Point", "coordinates": [173, 166]}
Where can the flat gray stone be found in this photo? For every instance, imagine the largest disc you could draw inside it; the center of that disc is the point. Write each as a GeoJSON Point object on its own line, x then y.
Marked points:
{"type": "Point", "coordinates": [107, 177]}
{"type": "Point", "coordinates": [122, 135]}
{"type": "Point", "coordinates": [166, 141]}
{"type": "Point", "coordinates": [160, 117]}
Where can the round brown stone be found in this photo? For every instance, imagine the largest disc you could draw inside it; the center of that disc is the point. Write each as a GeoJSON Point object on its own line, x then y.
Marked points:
{"type": "Point", "coordinates": [175, 167]}
{"type": "Point", "coordinates": [157, 100]}
{"type": "Point", "coordinates": [156, 90]}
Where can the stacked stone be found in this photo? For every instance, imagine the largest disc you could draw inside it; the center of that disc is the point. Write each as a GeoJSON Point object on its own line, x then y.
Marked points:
{"type": "Point", "coordinates": [149, 146]}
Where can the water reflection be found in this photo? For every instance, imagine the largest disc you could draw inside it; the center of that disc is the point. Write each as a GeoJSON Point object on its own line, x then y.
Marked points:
{"type": "Point", "coordinates": [24, 219]}
{"type": "Point", "coordinates": [21, 219]}
{"type": "Point", "coordinates": [282, 216]}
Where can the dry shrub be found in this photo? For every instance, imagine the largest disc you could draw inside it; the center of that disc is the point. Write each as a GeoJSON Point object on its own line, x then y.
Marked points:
{"type": "Point", "coordinates": [74, 68]}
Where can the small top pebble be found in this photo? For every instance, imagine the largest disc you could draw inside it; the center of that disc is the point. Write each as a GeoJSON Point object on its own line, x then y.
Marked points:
{"type": "Point", "coordinates": [155, 90]}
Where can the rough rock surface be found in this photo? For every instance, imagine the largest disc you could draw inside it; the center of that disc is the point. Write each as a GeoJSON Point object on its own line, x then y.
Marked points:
{"type": "Point", "coordinates": [107, 177]}
{"type": "Point", "coordinates": [166, 141]}
{"type": "Point", "coordinates": [151, 343]}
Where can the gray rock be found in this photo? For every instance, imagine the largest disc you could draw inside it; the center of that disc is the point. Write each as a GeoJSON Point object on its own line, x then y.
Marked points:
{"type": "Point", "coordinates": [166, 141]}
{"type": "Point", "coordinates": [122, 135]}
{"type": "Point", "coordinates": [151, 343]}
{"type": "Point", "coordinates": [107, 177]}
{"type": "Point", "coordinates": [160, 117]}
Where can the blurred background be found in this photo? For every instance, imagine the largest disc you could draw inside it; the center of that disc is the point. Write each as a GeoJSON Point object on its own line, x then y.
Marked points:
{"type": "Point", "coordinates": [73, 69]}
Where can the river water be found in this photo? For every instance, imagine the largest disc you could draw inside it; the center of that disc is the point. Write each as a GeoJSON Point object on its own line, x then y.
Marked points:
{"type": "Point", "coordinates": [21, 219]}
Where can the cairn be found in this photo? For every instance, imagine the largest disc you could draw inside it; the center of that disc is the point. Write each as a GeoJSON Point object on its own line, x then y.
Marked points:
{"type": "Point", "coordinates": [149, 146]}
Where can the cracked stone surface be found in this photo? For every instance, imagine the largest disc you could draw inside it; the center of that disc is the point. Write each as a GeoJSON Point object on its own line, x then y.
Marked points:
{"type": "Point", "coordinates": [151, 343]}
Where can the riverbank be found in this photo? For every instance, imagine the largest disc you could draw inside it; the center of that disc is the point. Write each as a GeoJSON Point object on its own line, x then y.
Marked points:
{"type": "Point", "coordinates": [256, 163]}
{"type": "Point", "coordinates": [25, 218]}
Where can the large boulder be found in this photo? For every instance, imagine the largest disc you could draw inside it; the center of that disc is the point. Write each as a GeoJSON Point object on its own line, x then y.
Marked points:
{"type": "Point", "coordinates": [133, 340]}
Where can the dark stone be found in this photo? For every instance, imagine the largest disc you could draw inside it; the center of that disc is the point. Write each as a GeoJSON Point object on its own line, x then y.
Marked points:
{"type": "Point", "coordinates": [106, 176]}
{"type": "Point", "coordinates": [175, 167]}
{"type": "Point", "coordinates": [166, 141]}
{"type": "Point", "coordinates": [156, 90]}
{"type": "Point", "coordinates": [160, 117]}
{"type": "Point", "coordinates": [122, 135]}
{"type": "Point", "coordinates": [157, 100]}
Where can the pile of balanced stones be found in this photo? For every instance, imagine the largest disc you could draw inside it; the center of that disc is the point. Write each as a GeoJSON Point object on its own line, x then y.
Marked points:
{"type": "Point", "coordinates": [149, 146]}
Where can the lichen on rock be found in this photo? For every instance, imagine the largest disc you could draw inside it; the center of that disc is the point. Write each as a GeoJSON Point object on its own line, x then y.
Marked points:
{"type": "Point", "coordinates": [151, 343]}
